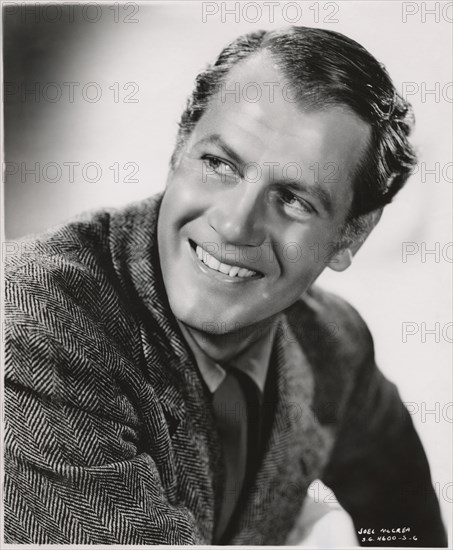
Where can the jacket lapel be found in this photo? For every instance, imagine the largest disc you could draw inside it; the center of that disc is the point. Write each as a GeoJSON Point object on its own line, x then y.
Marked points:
{"type": "Point", "coordinates": [296, 449]}
{"type": "Point", "coordinates": [133, 243]}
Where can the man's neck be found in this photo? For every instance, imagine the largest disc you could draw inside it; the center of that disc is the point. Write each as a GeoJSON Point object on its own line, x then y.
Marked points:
{"type": "Point", "coordinates": [223, 348]}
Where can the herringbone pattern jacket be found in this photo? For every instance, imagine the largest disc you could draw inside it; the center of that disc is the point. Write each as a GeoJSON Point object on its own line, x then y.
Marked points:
{"type": "Point", "coordinates": [110, 432]}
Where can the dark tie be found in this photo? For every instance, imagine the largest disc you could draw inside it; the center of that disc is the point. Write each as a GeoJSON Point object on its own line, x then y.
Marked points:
{"type": "Point", "coordinates": [236, 406]}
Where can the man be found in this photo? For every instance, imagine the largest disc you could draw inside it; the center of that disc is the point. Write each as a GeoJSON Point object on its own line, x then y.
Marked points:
{"type": "Point", "coordinates": [173, 376]}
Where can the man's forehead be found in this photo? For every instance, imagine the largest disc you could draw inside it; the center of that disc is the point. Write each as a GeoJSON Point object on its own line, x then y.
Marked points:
{"type": "Point", "coordinates": [260, 67]}
{"type": "Point", "coordinates": [256, 84]}
{"type": "Point", "coordinates": [276, 130]}
{"type": "Point", "coordinates": [256, 98]}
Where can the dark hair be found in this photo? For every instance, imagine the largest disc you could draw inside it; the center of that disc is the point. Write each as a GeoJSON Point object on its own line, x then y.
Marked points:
{"type": "Point", "coordinates": [328, 68]}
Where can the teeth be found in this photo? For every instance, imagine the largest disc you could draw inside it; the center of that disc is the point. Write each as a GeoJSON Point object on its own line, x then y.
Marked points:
{"type": "Point", "coordinates": [232, 271]}
{"type": "Point", "coordinates": [224, 268]}
{"type": "Point", "coordinates": [213, 263]}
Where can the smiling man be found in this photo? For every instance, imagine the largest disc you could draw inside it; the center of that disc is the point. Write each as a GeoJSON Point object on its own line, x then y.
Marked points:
{"type": "Point", "coordinates": [253, 178]}
{"type": "Point", "coordinates": [173, 375]}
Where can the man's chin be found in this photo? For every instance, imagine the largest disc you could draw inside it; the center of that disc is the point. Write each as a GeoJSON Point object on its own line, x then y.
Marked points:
{"type": "Point", "coordinates": [209, 326]}
{"type": "Point", "coordinates": [224, 325]}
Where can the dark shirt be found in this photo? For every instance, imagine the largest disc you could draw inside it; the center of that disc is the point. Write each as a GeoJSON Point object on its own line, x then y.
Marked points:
{"type": "Point", "coordinates": [253, 361]}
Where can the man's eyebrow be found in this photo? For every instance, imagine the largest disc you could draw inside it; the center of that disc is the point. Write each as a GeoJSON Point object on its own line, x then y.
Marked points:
{"type": "Point", "coordinates": [216, 139]}
{"type": "Point", "coordinates": [315, 190]}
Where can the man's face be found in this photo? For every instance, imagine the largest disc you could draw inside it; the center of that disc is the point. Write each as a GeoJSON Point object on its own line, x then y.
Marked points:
{"type": "Point", "coordinates": [260, 192]}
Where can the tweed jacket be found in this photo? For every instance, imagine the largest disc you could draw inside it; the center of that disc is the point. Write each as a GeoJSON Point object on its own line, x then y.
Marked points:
{"type": "Point", "coordinates": [110, 433]}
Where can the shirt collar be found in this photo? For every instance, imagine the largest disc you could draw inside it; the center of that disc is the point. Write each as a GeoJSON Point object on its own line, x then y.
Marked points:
{"type": "Point", "coordinates": [254, 361]}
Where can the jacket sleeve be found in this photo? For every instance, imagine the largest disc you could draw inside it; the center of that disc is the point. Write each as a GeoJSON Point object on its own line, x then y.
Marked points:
{"type": "Point", "coordinates": [78, 467]}
{"type": "Point", "coordinates": [379, 471]}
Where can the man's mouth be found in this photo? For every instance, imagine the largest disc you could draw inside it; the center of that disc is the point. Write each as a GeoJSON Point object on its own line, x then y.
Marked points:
{"type": "Point", "coordinates": [233, 271]}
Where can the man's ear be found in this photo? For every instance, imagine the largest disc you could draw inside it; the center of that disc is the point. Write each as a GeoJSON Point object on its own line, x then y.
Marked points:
{"type": "Point", "coordinates": [342, 258]}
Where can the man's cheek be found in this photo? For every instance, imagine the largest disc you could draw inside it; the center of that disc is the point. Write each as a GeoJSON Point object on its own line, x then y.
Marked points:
{"type": "Point", "coordinates": [193, 172]}
{"type": "Point", "coordinates": [181, 204]}
{"type": "Point", "coordinates": [299, 274]}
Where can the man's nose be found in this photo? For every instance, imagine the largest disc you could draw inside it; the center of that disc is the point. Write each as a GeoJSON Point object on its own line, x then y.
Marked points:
{"type": "Point", "coordinates": [239, 215]}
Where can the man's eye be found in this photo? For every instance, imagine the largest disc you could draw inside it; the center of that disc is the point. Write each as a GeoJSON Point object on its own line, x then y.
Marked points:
{"type": "Point", "coordinates": [295, 206]}
{"type": "Point", "coordinates": [214, 165]}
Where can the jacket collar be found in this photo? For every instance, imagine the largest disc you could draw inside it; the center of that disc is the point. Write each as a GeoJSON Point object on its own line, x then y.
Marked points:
{"type": "Point", "coordinates": [135, 257]}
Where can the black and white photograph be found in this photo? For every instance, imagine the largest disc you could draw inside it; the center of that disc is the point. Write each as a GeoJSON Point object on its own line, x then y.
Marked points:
{"type": "Point", "coordinates": [227, 251]}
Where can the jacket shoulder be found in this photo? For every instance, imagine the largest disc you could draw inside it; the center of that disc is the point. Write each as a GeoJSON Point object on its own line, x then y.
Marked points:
{"type": "Point", "coordinates": [65, 265]}
{"type": "Point", "coordinates": [338, 344]}
{"type": "Point", "coordinates": [78, 260]}
{"type": "Point", "coordinates": [73, 244]}
{"type": "Point", "coordinates": [327, 322]}
{"type": "Point", "coordinates": [66, 317]}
